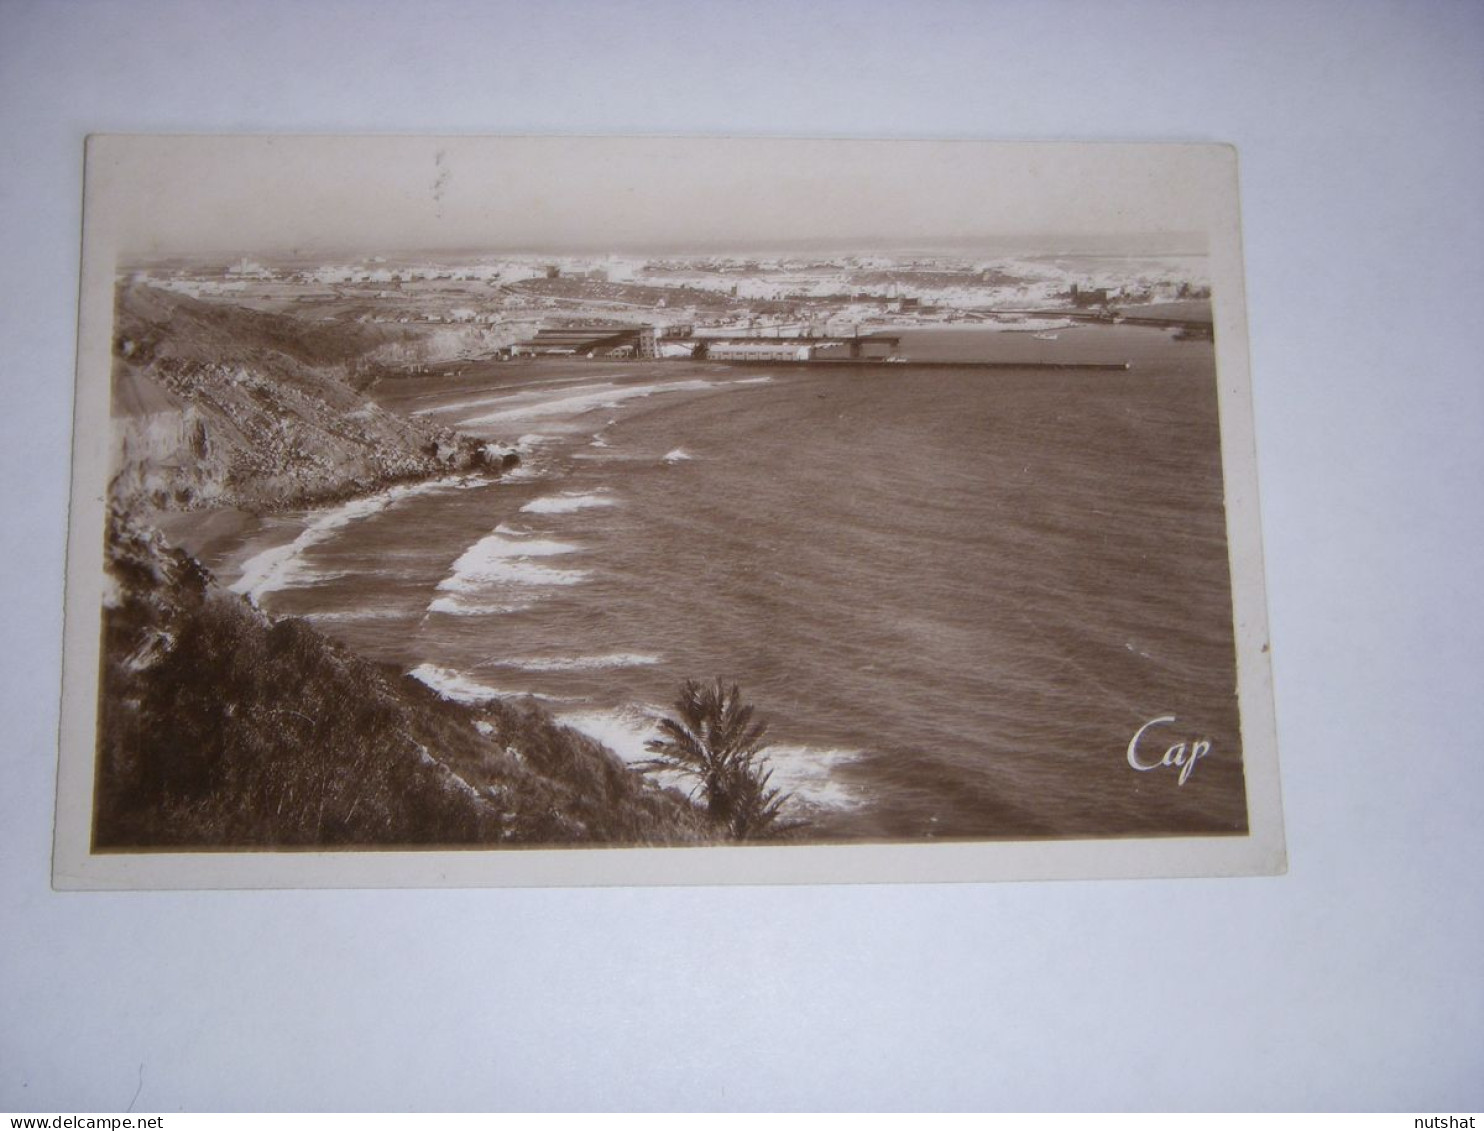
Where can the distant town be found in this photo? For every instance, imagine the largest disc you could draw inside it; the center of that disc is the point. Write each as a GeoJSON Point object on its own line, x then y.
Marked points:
{"type": "Point", "coordinates": [799, 307]}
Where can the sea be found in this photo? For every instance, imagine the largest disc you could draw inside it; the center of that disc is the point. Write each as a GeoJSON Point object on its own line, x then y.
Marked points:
{"type": "Point", "coordinates": [956, 594]}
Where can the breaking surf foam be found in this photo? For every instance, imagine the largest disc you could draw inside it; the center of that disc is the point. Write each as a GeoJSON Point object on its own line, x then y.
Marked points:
{"type": "Point", "coordinates": [578, 400]}
{"type": "Point", "coordinates": [568, 502]}
{"type": "Point", "coordinates": [497, 561]}
{"type": "Point", "coordinates": [456, 686]}
{"type": "Point", "coordinates": [283, 567]}
{"type": "Point", "coordinates": [575, 663]}
{"type": "Point", "coordinates": [458, 607]}
{"type": "Point", "coordinates": [806, 773]}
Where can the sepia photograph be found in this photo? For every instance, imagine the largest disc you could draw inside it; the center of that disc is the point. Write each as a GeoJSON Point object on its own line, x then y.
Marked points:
{"type": "Point", "coordinates": [728, 510]}
{"type": "Point", "coordinates": [741, 557]}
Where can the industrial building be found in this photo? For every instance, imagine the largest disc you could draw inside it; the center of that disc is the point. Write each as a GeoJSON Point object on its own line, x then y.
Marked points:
{"type": "Point", "coordinates": [758, 351]}
{"type": "Point", "coordinates": [588, 341]}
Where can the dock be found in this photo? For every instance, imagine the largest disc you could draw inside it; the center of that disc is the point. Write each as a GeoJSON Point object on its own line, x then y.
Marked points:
{"type": "Point", "coordinates": [881, 363]}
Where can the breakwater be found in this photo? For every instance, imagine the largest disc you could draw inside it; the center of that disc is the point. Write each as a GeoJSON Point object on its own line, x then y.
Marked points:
{"type": "Point", "coordinates": [878, 363]}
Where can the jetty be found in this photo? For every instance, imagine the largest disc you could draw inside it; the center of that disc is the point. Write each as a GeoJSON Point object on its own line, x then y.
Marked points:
{"type": "Point", "coordinates": [892, 363]}
{"type": "Point", "coordinates": [683, 343]}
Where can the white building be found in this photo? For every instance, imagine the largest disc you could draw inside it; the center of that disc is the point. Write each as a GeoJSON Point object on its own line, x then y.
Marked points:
{"type": "Point", "coordinates": [758, 351]}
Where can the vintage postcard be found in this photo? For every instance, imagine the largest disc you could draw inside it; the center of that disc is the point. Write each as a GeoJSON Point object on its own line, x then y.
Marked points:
{"type": "Point", "coordinates": [461, 511]}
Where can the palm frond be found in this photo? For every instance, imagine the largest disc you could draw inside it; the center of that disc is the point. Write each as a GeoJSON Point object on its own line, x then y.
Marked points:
{"type": "Point", "coordinates": [714, 739]}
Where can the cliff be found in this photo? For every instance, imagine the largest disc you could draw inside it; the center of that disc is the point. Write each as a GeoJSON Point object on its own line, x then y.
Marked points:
{"type": "Point", "coordinates": [217, 405]}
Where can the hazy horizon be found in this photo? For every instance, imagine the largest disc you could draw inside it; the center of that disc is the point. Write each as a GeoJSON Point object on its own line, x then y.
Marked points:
{"type": "Point", "coordinates": [321, 196]}
{"type": "Point", "coordinates": [1131, 246]}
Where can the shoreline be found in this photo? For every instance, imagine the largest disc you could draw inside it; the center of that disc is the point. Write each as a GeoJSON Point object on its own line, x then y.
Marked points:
{"type": "Point", "coordinates": [227, 540]}
{"type": "Point", "coordinates": [907, 363]}
{"type": "Point", "coordinates": [269, 552]}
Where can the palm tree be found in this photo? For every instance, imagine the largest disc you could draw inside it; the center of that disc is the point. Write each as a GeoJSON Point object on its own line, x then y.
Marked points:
{"type": "Point", "coordinates": [715, 740]}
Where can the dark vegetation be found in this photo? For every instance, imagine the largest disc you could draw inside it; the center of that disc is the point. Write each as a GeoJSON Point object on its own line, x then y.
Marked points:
{"type": "Point", "coordinates": [715, 739]}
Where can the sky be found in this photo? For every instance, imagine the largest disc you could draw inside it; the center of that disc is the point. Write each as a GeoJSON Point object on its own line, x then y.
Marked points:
{"type": "Point", "coordinates": [157, 195]}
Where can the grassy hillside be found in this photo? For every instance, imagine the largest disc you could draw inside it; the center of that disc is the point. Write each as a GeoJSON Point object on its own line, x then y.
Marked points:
{"type": "Point", "coordinates": [221, 728]}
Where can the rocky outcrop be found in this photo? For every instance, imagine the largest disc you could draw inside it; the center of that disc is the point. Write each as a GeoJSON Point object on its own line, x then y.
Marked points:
{"type": "Point", "coordinates": [219, 406]}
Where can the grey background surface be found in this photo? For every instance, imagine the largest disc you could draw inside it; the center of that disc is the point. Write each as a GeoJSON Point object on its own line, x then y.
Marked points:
{"type": "Point", "coordinates": [1354, 981]}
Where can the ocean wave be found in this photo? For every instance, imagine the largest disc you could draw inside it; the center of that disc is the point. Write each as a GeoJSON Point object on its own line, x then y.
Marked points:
{"type": "Point", "coordinates": [282, 567]}
{"type": "Point", "coordinates": [494, 398]}
{"type": "Point", "coordinates": [535, 405]}
{"type": "Point", "coordinates": [575, 663]}
{"type": "Point", "coordinates": [340, 615]}
{"type": "Point", "coordinates": [583, 399]}
{"type": "Point", "coordinates": [457, 607]}
{"type": "Point", "coordinates": [497, 561]}
{"type": "Point", "coordinates": [456, 686]}
{"type": "Point", "coordinates": [623, 731]}
{"type": "Point", "coordinates": [677, 456]}
{"type": "Point", "coordinates": [806, 773]}
{"type": "Point", "coordinates": [526, 473]}
{"type": "Point", "coordinates": [495, 546]}
{"type": "Point", "coordinates": [568, 502]}
{"type": "Point", "coordinates": [509, 571]}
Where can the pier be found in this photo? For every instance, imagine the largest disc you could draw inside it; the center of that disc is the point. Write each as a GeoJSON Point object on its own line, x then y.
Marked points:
{"type": "Point", "coordinates": [882, 363]}
{"type": "Point", "coordinates": [856, 343]}
{"type": "Point", "coordinates": [647, 342]}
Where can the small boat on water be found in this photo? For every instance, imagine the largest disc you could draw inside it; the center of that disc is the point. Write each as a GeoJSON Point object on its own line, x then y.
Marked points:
{"type": "Point", "coordinates": [1045, 336]}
